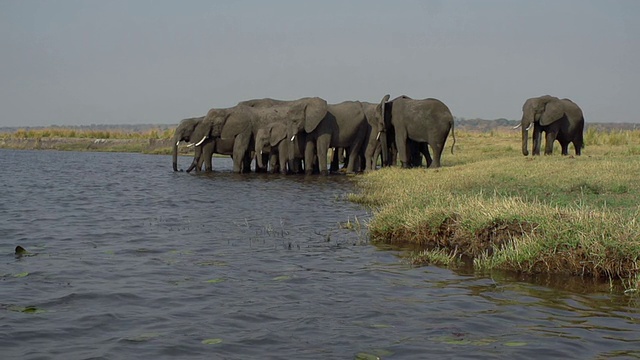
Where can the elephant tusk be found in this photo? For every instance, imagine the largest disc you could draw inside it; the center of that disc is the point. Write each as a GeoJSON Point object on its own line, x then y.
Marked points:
{"type": "Point", "coordinates": [178, 143]}
{"type": "Point", "coordinates": [260, 152]}
{"type": "Point", "coordinates": [517, 126]}
{"type": "Point", "coordinates": [191, 145]}
{"type": "Point", "coordinates": [529, 127]}
{"type": "Point", "coordinates": [293, 137]}
{"type": "Point", "coordinates": [378, 137]}
{"type": "Point", "coordinates": [201, 141]}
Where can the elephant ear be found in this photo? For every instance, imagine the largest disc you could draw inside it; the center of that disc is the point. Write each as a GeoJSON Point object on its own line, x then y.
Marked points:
{"type": "Point", "coordinates": [277, 133]}
{"type": "Point", "coordinates": [314, 111]}
{"type": "Point", "coordinates": [380, 109]}
{"type": "Point", "coordinates": [553, 111]}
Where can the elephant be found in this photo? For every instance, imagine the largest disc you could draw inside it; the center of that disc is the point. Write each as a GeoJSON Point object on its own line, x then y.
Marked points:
{"type": "Point", "coordinates": [183, 132]}
{"type": "Point", "coordinates": [378, 137]}
{"type": "Point", "coordinates": [297, 115]}
{"type": "Point", "coordinates": [225, 131]}
{"type": "Point", "coordinates": [274, 138]}
{"type": "Point", "coordinates": [559, 119]}
{"type": "Point", "coordinates": [343, 126]}
{"type": "Point", "coordinates": [424, 122]}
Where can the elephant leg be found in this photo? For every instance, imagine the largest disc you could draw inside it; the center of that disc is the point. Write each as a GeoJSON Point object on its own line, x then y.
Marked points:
{"type": "Point", "coordinates": [241, 154]}
{"type": "Point", "coordinates": [355, 150]}
{"type": "Point", "coordinates": [335, 160]}
{"type": "Point", "coordinates": [322, 147]}
{"type": "Point", "coordinates": [197, 162]}
{"type": "Point", "coordinates": [565, 148]}
{"type": "Point", "coordinates": [550, 139]}
{"type": "Point", "coordinates": [309, 154]}
{"type": "Point", "coordinates": [393, 155]}
{"type": "Point", "coordinates": [425, 151]}
{"type": "Point", "coordinates": [577, 147]}
{"type": "Point", "coordinates": [437, 154]}
{"type": "Point", "coordinates": [537, 135]}
{"type": "Point", "coordinates": [369, 162]}
{"type": "Point", "coordinates": [415, 156]}
{"type": "Point", "coordinates": [207, 155]}
{"type": "Point", "coordinates": [283, 159]}
{"type": "Point", "coordinates": [273, 162]}
{"type": "Point", "coordinates": [401, 145]}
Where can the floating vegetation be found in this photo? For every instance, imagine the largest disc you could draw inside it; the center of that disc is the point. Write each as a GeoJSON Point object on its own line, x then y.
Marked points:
{"type": "Point", "coordinates": [27, 309]}
{"type": "Point", "coordinates": [515, 343]}
{"type": "Point", "coordinates": [215, 281]}
{"type": "Point", "coordinates": [212, 341]}
{"type": "Point", "coordinates": [21, 275]}
{"type": "Point", "coordinates": [374, 354]}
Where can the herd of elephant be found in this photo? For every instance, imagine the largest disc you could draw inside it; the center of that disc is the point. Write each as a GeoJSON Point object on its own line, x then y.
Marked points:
{"type": "Point", "coordinates": [308, 135]}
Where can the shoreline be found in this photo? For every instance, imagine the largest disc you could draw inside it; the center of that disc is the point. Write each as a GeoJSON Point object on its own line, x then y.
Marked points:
{"type": "Point", "coordinates": [145, 146]}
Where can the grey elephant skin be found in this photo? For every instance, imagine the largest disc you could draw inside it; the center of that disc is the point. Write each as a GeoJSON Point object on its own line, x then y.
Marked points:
{"type": "Point", "coordinates": [416, 124]}
{"type": "Point", "coordinates": [226, 131]}
{"type": "Point", "coordinates": [345, 126]}
{"type": "Point", "coordinates": [183, 132]}
{"type": "Point", "coordinates": [273, 139]}
{"type": "Point", "coordinates": [300, 117]}
{"type": "Point", "coordinates": [559, 119]}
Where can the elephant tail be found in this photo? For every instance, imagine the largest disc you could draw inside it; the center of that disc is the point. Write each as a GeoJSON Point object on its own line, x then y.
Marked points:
{"type": "Point", "coordinates": [453, 135]}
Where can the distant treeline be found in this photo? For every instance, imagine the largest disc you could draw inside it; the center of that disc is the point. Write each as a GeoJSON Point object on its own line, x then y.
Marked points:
{"type": "Point", "coordinates": [165, 131]}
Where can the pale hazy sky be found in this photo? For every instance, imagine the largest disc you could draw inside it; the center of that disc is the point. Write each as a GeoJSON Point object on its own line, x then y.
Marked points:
{"type": "Point", "coordinates": [130, 62]}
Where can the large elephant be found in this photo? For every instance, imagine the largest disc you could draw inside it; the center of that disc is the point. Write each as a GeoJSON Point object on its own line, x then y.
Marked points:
{"type": "Point", "coordinates": [344, 125]}
{"type": "Point", "coordinates": [299, 115]}
{"type": "Point", "coordinates": [559, 119]}
{"type": "Point", "coordinates": [423, 122]}
{"type": "Point", "coordinates": [224, 131]}
{"type": "Point", "coordinates": [183, 132]}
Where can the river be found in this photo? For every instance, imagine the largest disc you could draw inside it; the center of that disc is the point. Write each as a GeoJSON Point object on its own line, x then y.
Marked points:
{"type": "Point", "coordinates": [128, 259]}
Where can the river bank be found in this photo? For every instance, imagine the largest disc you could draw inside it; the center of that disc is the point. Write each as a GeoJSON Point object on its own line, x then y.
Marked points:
{"type": "Point", "coordinates": [138, 145]}
{"type": "Point", "coordinates": [493, 208]}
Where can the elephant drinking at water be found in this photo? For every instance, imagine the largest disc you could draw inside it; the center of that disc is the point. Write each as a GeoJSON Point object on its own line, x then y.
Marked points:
{"type": "Point", "coordinates": [295, 114]}
{"type": "Point", "coordinates": [224, 131]}
{"type": "Point", "coordinates": [183, 132]}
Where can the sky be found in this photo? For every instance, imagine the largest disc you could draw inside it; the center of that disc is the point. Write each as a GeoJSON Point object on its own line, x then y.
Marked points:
{"type": "Point", "coordinates": [89, 62]}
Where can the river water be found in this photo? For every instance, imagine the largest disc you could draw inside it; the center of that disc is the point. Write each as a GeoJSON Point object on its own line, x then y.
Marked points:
{"type": "Point", "coordinates": [128, 259]}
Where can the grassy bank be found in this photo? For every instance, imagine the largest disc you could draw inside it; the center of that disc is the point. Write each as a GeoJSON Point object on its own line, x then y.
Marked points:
{"type": "Point", "coordinates": [60, 132]}
{"type": "Point", "coordinates": [152, 141]}
{"type": "Point", "coordinates": [490, 205]}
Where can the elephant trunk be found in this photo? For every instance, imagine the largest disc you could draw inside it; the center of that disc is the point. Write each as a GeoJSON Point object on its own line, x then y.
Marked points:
{"type": "Point", "coordinates": [194, 164]}
{"type": "Point", "coordinates": [525, 139]}
{"type": "Point", "coordinates": [259, 157]}
{"type": "Point", "coordinates": [175, 155]}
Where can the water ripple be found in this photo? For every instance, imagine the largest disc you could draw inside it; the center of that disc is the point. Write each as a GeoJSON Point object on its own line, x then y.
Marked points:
{"type": "Point", "coordinates": [132, 260]}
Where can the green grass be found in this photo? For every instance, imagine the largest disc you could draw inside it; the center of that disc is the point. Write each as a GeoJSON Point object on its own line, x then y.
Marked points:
{"type": "Point", "coordinates": [497, 209]}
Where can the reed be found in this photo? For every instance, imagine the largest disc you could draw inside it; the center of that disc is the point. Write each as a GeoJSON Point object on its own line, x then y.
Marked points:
{"type": "Point", "coordinates": [61, 132]}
